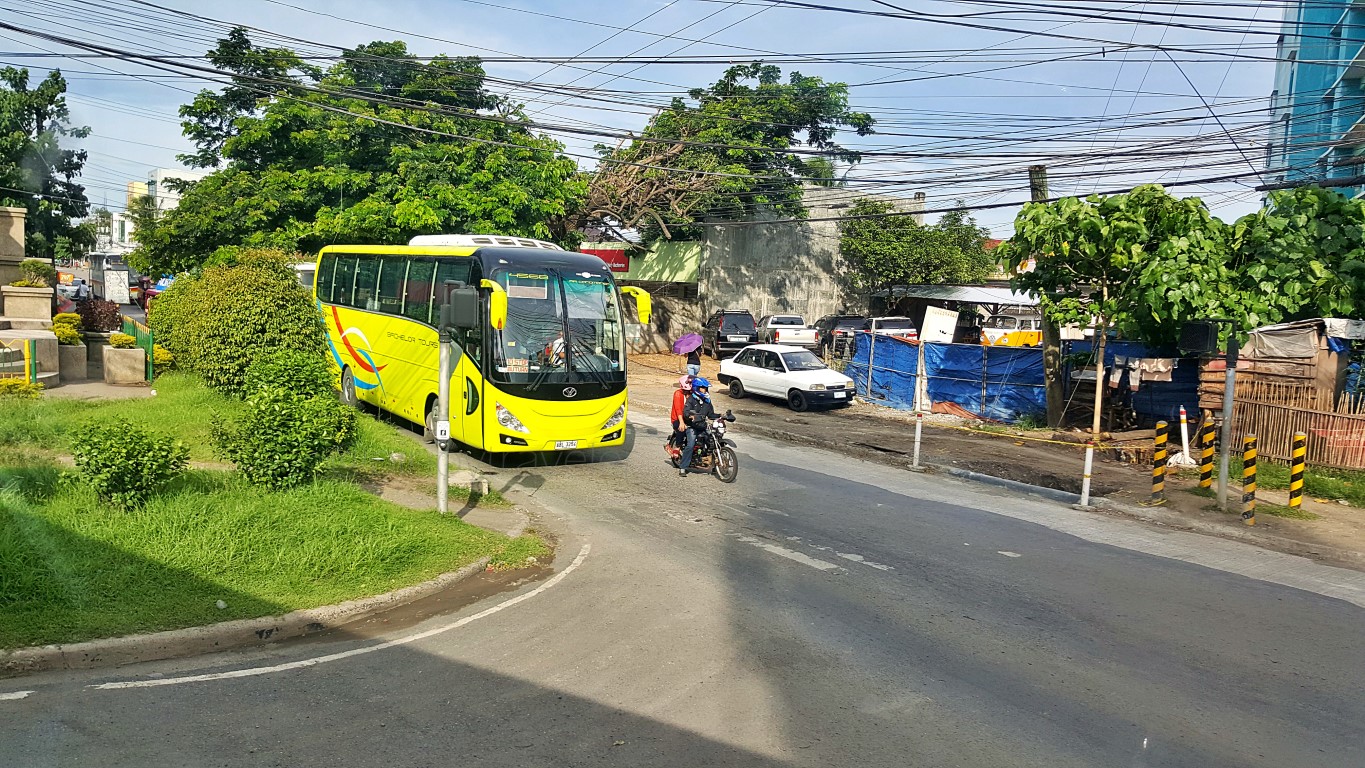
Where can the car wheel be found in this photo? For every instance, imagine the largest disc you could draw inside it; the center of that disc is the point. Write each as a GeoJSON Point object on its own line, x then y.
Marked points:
{"type": "Point", "coordinates": [715, 351]}
{"type": "Point", "coordinates": [796, 400]}
{"type": "Point", "coordinates": [736, 389]}
{"type": "Point", "coordinates": [348, 395]}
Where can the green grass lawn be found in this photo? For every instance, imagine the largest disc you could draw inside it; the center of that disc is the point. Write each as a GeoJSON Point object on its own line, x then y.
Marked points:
{"type": "Point", "coordinates": [73, 569]}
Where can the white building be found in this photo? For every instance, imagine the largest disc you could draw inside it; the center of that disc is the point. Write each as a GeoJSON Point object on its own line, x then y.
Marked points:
{"type": "Point", "coordinates": [118, 238]}
{"type": "Point", "coordinates": [165, 197]}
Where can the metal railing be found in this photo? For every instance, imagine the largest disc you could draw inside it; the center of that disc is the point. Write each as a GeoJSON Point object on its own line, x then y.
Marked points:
{"type": "Point", "coordinates": [144, 341]}
{"type": "Point", "coordinates": [19, 360]}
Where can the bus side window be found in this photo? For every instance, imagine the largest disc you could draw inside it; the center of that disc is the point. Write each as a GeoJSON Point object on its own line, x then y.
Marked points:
{"type": "Point", "coordinates": [326, 268]}
{"type": "Point", "coordinates": [391, 275]}
{"type": "Point", "coordinates": [417, 290]}
{"type": "Point", "coordinates": [460, 270]}
{"type": "Point", "coordinates": [366, 275]}
{"type": "Point", "coordinates": [344, 281]}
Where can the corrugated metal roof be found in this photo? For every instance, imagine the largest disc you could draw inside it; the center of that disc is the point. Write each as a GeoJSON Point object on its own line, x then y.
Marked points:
{"type": "Point", "coordinates": [973, 294]}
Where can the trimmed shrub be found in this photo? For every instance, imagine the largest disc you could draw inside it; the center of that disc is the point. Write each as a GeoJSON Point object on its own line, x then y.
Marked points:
{"type": "Point", "coordinates": [162, 360]}
{"type": "Point", "coordinates": [72, 319]}
{"type": "Point", "coordinates": [66, 334]}
{"type": "Point", "coordinates": [282, 438]}
{"type": "Point", "coordinates": [122, 341]}
{"type": "Point", "coordinates": [18, 389]}
{"type": "Point", "coordinates": [126, 465]}
{"type": "Point", "coordinates": [37, 274]}
{"type": "Point", "coordinates": [100, 315]}
{"type": "Point", "coordinates": [219, 323]}
{"type": "Point", "coordinates": [298, 372]}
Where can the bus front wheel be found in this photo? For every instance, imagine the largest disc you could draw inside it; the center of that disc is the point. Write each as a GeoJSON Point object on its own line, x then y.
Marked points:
{"type": "Point", "coordinates": [429, 423]}
{"type": "Point", "coordinates": [348, 395]}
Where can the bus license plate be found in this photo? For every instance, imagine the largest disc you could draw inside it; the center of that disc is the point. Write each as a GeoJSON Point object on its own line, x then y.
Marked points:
{"type": "Point", "coordinates": [840, 395]}
{"type": "Point", "coordinates": [565, 445]}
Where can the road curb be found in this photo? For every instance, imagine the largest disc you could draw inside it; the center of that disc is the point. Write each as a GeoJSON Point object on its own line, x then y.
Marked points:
{"type": "Point", "coordinates": [1014, 485]}
{"type": "Point", "coordinates": [227, 635]}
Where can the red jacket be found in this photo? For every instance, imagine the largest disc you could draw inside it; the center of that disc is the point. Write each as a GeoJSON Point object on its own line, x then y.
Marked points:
{"type": "Point", "coordinates": [675, 415]}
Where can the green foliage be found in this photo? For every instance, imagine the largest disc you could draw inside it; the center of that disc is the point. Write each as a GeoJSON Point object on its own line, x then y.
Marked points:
{"type": "Point", "coordinates": [126, 465]}
{"type": "Point", "coordinates": [895, 250]}
{"type": "Point", "coordinates": [36, 173]}
{"type": "Point", "coordinates": [72, 319]}
{"type": "Point", "coordinates": [122, 341]}
{"type": "Point", "coordinates": [738, 137]}
{"type": "Point", "coordinates": [19, 389]}
{"type": "Point", "coordinates": [100, 315]}
{"type": "Point", "coordinates": [1302, 256]}
{"type": "Point", "coordinates": [283, 438]}
{"type": "Point", "coordinates": [66, 334]}
{"type": "Point", "coordinates": [216, 325]}
{"type": "Point", "coordinates": [301, 373]}
{"type": "Point", "coordinates": [304, 168]}
{"type": "Point", "coordinates": [26, 283]}
{"type": "Point", "coordinates": [39, 272]}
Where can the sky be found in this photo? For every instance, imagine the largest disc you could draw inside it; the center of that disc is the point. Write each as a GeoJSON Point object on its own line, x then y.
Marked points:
{"type": "Point", "coordinates": [1107, 93]}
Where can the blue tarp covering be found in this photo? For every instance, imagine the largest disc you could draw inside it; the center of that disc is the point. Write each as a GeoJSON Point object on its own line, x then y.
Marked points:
{"type": "Point", "coordinates": [893, 374]}
{"type": "Point", "coordinates": [998, 383]}
{"type": "Point", "coordinates": [1155, 400]}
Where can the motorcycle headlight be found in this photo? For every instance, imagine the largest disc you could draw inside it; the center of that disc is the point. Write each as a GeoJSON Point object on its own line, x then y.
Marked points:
{"type": "Point", "coordinates": [817, 387]}
{"type": "Point", "coordinates": [506, 419]}
{"type": "Point", "coordinates": [616, 418]}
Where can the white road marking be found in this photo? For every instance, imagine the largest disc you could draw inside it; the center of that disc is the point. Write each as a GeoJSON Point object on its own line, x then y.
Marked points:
{"type": "Point", "coordinates": [790, 554]}
{"type": "Point", "coordinates": [1007, 554]}
{"type": "Point", "coordinates": [863, 560]}
{"type": "Point", "coordinates": [255, 671]}
{"type": "Point", "coordinates": [14, 695]}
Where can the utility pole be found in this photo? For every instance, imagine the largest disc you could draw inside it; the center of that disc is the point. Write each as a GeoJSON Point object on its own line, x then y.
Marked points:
{"type": "Point", "coordinates": [1055, 394]}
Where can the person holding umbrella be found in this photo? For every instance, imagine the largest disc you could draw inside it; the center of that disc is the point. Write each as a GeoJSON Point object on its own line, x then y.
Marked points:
{"type": "Point", "coordinates": [690, 345]}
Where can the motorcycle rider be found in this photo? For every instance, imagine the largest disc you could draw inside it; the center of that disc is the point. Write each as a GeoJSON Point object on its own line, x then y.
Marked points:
{"type": "Point", "coordinates": [696, 412]}
{"type": "Point", "coordinates": [675, 416]}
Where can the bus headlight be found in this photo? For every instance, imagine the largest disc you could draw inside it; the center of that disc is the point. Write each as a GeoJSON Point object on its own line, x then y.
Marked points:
{"type": "Point", "coordinates": [509, 421]}
{"type": "Point", "coordinates": [616, 418]}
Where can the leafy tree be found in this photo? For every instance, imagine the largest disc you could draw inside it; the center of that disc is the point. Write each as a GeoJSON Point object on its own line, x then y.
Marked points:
{"type": "Point", "coordinates": [892, 250]}
{"type": "Point", "coordinates": [733, 153]}
{"type": "Point", "coordinates": [1301, 256]}
{"type": "Point", "coordinates": [378, 148]}
{"type": "Point", "coordinates": [36, 173]}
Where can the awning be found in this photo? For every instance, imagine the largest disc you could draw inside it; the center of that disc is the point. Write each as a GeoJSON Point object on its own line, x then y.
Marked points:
{"type": "Point", "coordinates": [969, 294]}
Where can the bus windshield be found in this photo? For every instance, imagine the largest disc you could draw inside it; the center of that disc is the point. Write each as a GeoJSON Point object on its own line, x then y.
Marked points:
{"type": "Point", "coordinates": [562, 328]}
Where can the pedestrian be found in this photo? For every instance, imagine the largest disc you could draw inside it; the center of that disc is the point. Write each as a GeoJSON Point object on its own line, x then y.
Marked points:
{"type": "Point", "coordinates": [694, 362]}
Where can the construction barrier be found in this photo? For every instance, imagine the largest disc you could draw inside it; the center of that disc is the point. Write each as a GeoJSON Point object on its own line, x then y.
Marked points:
{"type": "Point", "coordinates": [1249, 479]}
{"type": "Point", "coordinates": [1207, 439]}
{"type": "Point", "coordinates": [1159, 465]}
{"type": "Point", "coordinates": [1298, 454]}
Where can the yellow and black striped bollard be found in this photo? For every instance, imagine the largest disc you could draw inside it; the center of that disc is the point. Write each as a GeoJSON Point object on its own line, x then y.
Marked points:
{"type": "Point", "coordinates": [1249, 479]}
{"type": "Point", "coordinates": [1159, 465]}
{"type": "Point", "coordinates": [1297, 461]}
{"type": "Point", "coordinates": [1206, 440]}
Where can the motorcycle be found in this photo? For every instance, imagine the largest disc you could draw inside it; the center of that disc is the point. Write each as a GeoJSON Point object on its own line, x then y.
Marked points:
{"type": "Point", "coordinates": [715, 453]}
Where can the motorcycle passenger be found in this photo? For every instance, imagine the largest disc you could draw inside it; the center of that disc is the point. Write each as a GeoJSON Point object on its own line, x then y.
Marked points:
{"type": "Point", "coordinates": [696, 412]}
{"type": "Point", "coordinates": [675, 416]}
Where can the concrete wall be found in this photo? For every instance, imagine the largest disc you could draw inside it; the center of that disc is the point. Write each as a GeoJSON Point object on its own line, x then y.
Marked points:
{"type": "Point", "coordinates": [11, 243]}
{"type": "Point", "coordinates": [784, 267]}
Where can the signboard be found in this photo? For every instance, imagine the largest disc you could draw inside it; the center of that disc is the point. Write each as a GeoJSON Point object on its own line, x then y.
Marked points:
{"type": "Point", "coordinates": [615, 258]}
{"type": "Point", "coordinates": [938, 326]}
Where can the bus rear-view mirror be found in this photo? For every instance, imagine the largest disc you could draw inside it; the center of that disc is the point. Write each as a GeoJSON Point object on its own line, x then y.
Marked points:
{"type": "Point", "coordinates": [643, 302]}
{"type": "Point", "coordinates": [462, 308]}
{"type": "Point", "coordinates": [497, 304]}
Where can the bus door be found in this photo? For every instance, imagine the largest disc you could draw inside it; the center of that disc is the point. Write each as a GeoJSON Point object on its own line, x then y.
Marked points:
{"type": "Point", "coordinates": [466, 383]}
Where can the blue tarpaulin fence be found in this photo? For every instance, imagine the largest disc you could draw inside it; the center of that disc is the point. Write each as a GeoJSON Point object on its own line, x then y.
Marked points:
{"type": "Point", "coordinates": [998, 383]}
{"type": "Point", "coordinates": [1155, 400]}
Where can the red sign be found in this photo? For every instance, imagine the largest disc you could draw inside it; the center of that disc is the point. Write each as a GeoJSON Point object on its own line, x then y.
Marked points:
{"type": "Point", "coordinates": [615, 258]}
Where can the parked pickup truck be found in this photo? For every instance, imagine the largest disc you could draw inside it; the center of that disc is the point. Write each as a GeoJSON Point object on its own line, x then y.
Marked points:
{"type": "Point", "coordinates": [786, 329]}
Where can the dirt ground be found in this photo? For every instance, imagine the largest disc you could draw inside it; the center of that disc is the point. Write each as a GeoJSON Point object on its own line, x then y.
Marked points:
{"type": "Point", "coordinates": [887, 435]}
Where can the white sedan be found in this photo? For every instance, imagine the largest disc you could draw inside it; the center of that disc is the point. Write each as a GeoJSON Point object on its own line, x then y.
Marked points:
{"type": "Point", "coordinates": [793, 374]}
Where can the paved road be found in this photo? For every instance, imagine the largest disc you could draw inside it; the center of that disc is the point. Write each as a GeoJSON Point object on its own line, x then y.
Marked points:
{"type": "Point", "coordinates": [820, 611]}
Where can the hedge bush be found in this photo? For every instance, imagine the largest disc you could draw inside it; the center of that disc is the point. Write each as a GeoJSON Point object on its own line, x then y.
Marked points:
{"type": "Point", "coordinates": [217, 324]}
{"type": "Point", "coordinates": [66, 334]}
{"type": "Point", "coordinates": [100, 315]}
{"type": "Point", "coordinates": [282, 438]}
{"type": "Point", "coordinates": [72, 319]}
{"type": "Point", "coordinates": [126, 465]}
{"type": "Point", "coordinates": [299, 372]}
{"type": "Point", "coordinates": [37, 273]}
{"type": "Point", "coordinates": [162, 360]}
{"type": "Point", "coordinates": [18, 389]}
{"type": "Point", "coordinates": [122, 341]}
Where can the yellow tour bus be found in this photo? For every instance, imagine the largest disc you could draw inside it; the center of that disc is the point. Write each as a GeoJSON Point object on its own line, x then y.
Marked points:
{"type": "Point", "coordinates": [543, 369]}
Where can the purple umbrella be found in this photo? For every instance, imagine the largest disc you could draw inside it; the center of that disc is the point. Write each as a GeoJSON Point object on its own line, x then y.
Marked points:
{"type": "Point", "coordinates": [687, 343]}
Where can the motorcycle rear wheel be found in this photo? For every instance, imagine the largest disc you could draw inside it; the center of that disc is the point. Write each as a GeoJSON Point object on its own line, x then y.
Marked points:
{"type": "Point", "coordinates": [727, 465]}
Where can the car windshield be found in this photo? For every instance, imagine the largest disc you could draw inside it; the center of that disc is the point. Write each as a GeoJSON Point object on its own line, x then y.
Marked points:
{"type": "Point", "coordinates": [802, 361]}
{"type": "Point", "coordinates": [1004, 322]}
{"type": "Point", "coordinates": [737, 324]}
{"type": "Point", "coordinates": [788, 320]}
{"type": "Point", "coordinates": [561, 328]}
